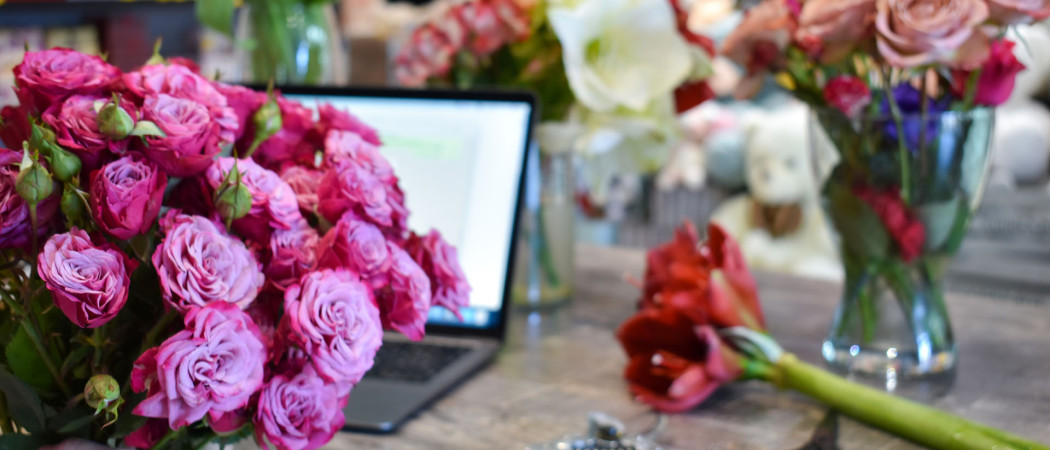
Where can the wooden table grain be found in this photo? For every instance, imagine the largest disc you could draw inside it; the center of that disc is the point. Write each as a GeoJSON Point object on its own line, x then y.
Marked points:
{"type": "Point", "coordinates": [559, 366]}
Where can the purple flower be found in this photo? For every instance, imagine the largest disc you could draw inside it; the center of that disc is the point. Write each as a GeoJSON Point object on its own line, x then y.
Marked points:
{"type": "Point", "coordinates": [199, 264]}
{"type": "Point", "coordinates": [126, 196]}
{"type": "Point", "coordinates": [404, 303]}
{"type": "Point", "coordinates": [355, 189]}
{"type": "Point", "coordinates": [299, 412]}
{"type": "Point", "coordinates": [210, 368]}
{"type": "Point", "coordinates": [181, 82]}
{"type": "Point", "coordinates": [332, 316]}
{"type": "Point", "coordinates": [304, 181]}
{"type": "Point", "coordinates": [290, 143]}
{"type": "Point", "coordinates": [358, 246]}
{"type": "Point", "coordinates": [88, 282]}
{"type": "Point", "coordinates": [47, 77]}
{"type": "Point", "coordinates": [335, 119]}
{"type": "Point", "coordinates": [76, 130]}
{"type": "Point", "coordinates": [449, 287]}
{"type": "Point", "coordinates": [244, 102]}
{"type": "Point", "coordinates": [292, 253]}
{"type": "Point", "coordinates": [15, 223]}
{"type": "Point", "coordinates": [192, 136]}
{"type": "Point", "coordinates": [909, 100]}
{"type": "Point", "coordinates": [343, 148]}
{"type": "Point", "coordinates": [274, 204]}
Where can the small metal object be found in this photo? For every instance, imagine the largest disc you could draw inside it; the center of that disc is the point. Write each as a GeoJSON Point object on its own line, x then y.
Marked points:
{"type": "Point", "coordinates": [605, 432]}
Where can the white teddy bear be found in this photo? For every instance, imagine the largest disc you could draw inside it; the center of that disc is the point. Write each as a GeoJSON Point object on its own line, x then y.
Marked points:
{"type": "Point", "coordinates": [779, 224]}
{"type": "Point", "coordinates": [1021, 140]}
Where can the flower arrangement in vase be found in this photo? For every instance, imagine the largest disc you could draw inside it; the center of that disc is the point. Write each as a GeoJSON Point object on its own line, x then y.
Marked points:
{"type": "Point", "coordinates": [902, 95]}
{"type": "Point", "coordinates": [187, 262]}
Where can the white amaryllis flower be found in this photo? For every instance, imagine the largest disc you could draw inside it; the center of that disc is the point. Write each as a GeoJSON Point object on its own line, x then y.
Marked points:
{"type": "Point", "coordinates": [620, 53]}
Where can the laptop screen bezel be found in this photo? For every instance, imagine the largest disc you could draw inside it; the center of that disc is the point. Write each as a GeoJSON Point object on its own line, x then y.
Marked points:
{"type": "Point", "coordinates": [498, 329]}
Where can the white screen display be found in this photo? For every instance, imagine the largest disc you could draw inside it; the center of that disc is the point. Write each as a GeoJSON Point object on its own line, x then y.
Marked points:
{"type": "Point", "coordinates": [459, 164]}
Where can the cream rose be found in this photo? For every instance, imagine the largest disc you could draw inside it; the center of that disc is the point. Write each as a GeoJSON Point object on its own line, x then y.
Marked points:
{"type": "Point", "coordinates": [912, 33]}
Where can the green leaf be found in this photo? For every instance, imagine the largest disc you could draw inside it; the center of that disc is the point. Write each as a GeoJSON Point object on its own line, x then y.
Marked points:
{"type": "Point", "coordinates": [861, 231]}
{"type": "Point", "coordinates": [23, 403]}
{"type": "Point", "coordinates": [25, 362]}
{"type": "Point", "coordinates": [73, 422]}
{"type": "Point", "coordinates": [217, 14]}
{"type": "Point", "coordinates": [20, 442]}
{"type": "Point", "coordinates": [75, 358]}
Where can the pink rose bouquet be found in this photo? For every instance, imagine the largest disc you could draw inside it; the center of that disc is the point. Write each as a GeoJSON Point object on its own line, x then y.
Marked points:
{"type": "Point", "coordinates": [160, 294]}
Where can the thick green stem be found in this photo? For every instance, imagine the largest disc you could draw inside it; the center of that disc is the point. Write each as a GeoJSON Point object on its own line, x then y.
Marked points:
{"type": "Point", "coordinates": [902, 146]}
{"type": "Point", "coordinates": [913, 421]}
{"type": "Point", "coordinates": [171, 436]}
{"type": "Point", "coordinates": [34, 335]}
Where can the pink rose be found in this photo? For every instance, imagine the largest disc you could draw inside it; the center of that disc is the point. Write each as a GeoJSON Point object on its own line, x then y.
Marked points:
{"type": "Point", "coordinates": [15, 222]}
{"type": "Point", "coordinates": [199, 264]}
{"type": "Point", "coordinates": [346, 147]}
{"type": "Point", "coordinates": [358, 246]}
{"type": "Point", "coordinates": [76, 129]}
{"type": "Point", "coordinates": [331, 118]}
{"type": "Point", "coordinates": [332, 316]}
{"type": "Point", "coordinates": [211, 367]}
{"type": "Point", "coordinates": [848, 94]}
{"type": "Point", "coordinates": [838, 25]}
{"type": "Point", "coordinates": [996, 81]}
{"type": "Point", "coordinates": [192, 136]}
{"type": "Point", "coordinates": [757, 44]}
{"type": "Point", "coordinates": [1014, 12]}
{"type": "Point", "coordinates": [405, 302]}
{"type": "Point", "coordinates": [88, 282]}
{"type": "Point", "coordinates": [487, 33]}
{"type": "Point", "coordinates": [181, 82]}
{"type": "Point", "coordinates": [292, 253]}
{"type": "Point", "coordinates": [290, 143]}
{"type": "Point", "coordinates": [304, 181]}
{"type": "Point", "coordinates": [274, 204]}
{"type": "Point", "coordinates": [428, 54]}
{"type": "Point", "coordinates": [299, 412]}
{"type": "Point", "coordinates": [185, 62]}
{"type": "Point", "coordinates": [126, 196]}
{"type": "Point", "coordinates": [912, 33]}
{"type": "Point", "coordinates": [449, 287]}
{"type": "Point", "coordinates": [16, 127]}
{"type": "Point", "coordinates": [244, 102]}
{"type": "Point", "coordinates": [47, 77]}
{"type": "Point", "coordinates": [353, 188]}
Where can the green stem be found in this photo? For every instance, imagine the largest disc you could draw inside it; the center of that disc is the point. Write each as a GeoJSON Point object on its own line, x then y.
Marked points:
{"type": "Point", "coordinates": [158, 328]}
{"type": "Point", "coordinates": [546, 260]}
{"type": "Point", "coordinates": [33, 219]}
{"type": "Point", "coordinates": [902, 148]}
{"type": "Point", "coordinates": [6, 426]}
{"type": "Point", "coordinates": [34, 335]}
{"type": "Point", "coordinates": [913, 421]}
{"type": "Point", "coordinates": [97, 338]}
{"type": "Point", "coordinates": [171, 436]}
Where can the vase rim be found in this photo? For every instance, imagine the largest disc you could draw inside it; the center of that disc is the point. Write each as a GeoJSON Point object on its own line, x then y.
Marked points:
{"type": "Point", "coordinates": [975, 112]}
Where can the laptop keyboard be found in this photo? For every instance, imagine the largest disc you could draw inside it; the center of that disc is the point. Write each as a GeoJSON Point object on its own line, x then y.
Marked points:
{"type": "Point", "coordinates": [413, 362]}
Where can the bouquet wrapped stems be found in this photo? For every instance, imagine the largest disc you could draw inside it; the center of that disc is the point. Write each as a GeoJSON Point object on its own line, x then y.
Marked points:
{"type": "Point", "coordinates": [910, 420]}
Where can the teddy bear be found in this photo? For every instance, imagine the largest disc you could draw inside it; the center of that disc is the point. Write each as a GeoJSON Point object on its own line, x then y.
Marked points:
{"type": "Point", "coordinates": [779, 223]}
{"type": "Point", "coordinates": [1021, 139]}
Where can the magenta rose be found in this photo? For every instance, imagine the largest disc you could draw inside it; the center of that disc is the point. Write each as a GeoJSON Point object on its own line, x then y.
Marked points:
{"type": "Point", "coordinates": [837, 25]}
{"type": "Point", "coordinates": [848, 94]}
{"type": "Point", "coordinates": [76, 129]}
{"type": "Point", "coordinates": [912, 33]}
{"type": "Point", "coordinates": [1014, 12]}
{"type": "Point", "coordinates": [427, 54]}
{"type": "Point", "coordinates": [274, 204]}
{"type": "Point", "coordinates": [404, 303]}
{"type": "Point", "coordinates": [304, 181]}
{"type": "Point", "coordinates": [181, 82]}
{"type": "Point", "coordinates": [47, 77]}
{"type": "Point", "coordinates": [292, 253]}
{"type": "Point", "coordinates": [244, 102]}
{"type": "Point", "coordinates": [342, 148]}
{"type": "Point", "coordinates": [448, 283]}
{"type": "Point", "coordinates": [333, 317]}
{"type": "Point", "coordinates": [15, 223]}
{"type": "Point", "coordinates": [353, 188]}
{"type": "Point", "coordinates": [148, 435]}
{"type": "Point", "coordinates": [199, 264]}
{"type": "Point", "coordinates": [356, 245]}
{"type": "Point", "coordinates": [16, 127]}
{"type": "Point", "coordinates": [126, 196]}
{"type": "Point", "coordinates": [89, 283]}
{"type": "Point", "coordinates": [996, 80]}
{"type": "Point", "coordinates": [299, 412]}
{"type": "Point", "coordinates": [210, 368]}
{"type": "Point", "coordinates": [330, 118]}
{"type": "Point", "coordinates": [192, 137]}
{"type": "Point", "coordinates": [290, 143]}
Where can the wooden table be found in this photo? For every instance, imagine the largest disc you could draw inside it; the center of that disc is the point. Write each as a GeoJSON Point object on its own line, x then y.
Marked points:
{"type": "Point", "coordinates": [558, 367]}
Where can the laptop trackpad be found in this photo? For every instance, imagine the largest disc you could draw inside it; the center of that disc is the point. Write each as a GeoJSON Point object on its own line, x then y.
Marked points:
{"type": "Point", "coordinates": [381, 405]}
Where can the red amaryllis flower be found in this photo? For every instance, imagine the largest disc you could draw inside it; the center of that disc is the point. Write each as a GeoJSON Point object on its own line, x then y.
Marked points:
{"type": "Point", "coordinates": [734, 296]}
{"type": "Point", "coordinates": [903, 226]}
{"type": "Point", "coordinates": [674, 363]}
{"type": "Point", "coordinates": [847, 94]}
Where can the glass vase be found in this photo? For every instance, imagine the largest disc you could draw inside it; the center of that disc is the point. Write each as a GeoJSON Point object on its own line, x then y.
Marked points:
{"type": "Point", "coordinates": [544, 261]}
{"type": "Point", "coordinates": [900, 193]}
{"type": "Point", "coordinates": [293, 42]}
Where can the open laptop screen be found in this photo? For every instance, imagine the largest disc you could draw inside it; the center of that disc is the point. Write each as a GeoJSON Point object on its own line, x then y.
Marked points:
{"type": "Point", "coordinates": [459, 163]}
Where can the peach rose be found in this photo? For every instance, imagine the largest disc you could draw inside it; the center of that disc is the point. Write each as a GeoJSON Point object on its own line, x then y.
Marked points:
{"type": "Point", "coordinates": [1013, 12]}
{"type": "Point", "coordinates": [838, 25]}
{"type": "Point", "coordinates": [758, 43]}
{"type": "Point", "coordinates": [912, 33]}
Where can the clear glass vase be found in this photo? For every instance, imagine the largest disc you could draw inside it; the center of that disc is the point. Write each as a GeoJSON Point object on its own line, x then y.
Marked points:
{"type": "Point", "coordinates": [900, 193]}
{"type": "Point", "coordinates": [543, 271]}
{"type": "Point", "coordinates": [293, 42]}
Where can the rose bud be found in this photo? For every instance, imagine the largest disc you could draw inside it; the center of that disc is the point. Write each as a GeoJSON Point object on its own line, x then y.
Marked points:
{"type": "Point", "coordinates": [100, 391]}
{"type": "Point", "coordinates": [234, 202]}
{"type": "Point", "coordinates": [15, 221]}
{"type": "Point", "coordinates": [267, 121]}
{"type": "Point", "coordinates": [273, 202]}
{"type": "Point", "coordinates": [33, 182]}
{"type": "Point", "coordinates": [89, 283]}
{"type": "Point", "coordinates": [72, 205]}
{"type": "Point", "coordinates": [126, 196]}
{"type": "Point", "coordinates": [64, 164]}
{"type": "Point", "coordinates": [114, 121]}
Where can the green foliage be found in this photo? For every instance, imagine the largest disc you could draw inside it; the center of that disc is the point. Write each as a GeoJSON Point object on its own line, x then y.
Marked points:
{"type": "Point", "coordinates": [21, 442]}
{"type": "Point", "coordinates": [217, 14]}
{"type": "Point", "coordinates": [23, 403]}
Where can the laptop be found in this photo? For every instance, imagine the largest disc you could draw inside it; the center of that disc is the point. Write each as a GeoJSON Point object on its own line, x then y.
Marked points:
{"type": "Point", "coordinates": [461, 159]}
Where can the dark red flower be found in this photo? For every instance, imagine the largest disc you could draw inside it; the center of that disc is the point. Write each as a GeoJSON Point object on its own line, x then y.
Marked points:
{"type": "Point", "coordinates": [734, 295]}
{"type": "Point", "coordinates": [996, 80]}
{"type": "Point", "coordinates": [903, 225]}
{"type": "Point", "coordinates": [690, 94]}
{"type": "Point", "coordinates": [848, 94]}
